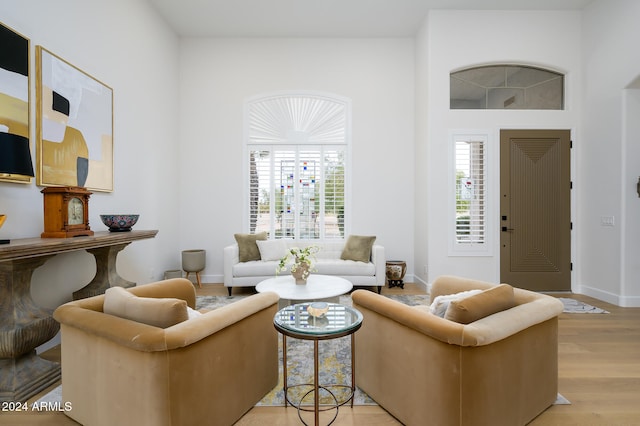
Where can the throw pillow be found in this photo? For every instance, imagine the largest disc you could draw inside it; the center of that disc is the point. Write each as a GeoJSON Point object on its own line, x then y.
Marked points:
{"type": "Point", "coordinates": [192, 313]}
{"type": "Point", "coordinates": [272, 249]}
{"type": "Point", "coordinates": [441, 303]}
{"type": "Point", "coordinates": [488, 302]}
{"type": "Point", "coordinates": [158, 312]}
{"type": "Point", "coordinates": [247, 245]}
{"type": "Point", "coordinates": [358, 248]}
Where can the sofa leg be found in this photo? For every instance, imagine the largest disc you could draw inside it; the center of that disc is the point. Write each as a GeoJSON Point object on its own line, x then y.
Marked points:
{"type": "Point", "coordinates": [379, 289]}
{"type": "Point", "coordinates": [229, 290]}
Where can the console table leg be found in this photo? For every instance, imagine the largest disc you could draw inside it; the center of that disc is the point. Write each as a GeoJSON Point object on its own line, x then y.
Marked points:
{"type": "Point", "coordinates": [106, 273]}
{"type": "Point", "coordinates": [23, 327]}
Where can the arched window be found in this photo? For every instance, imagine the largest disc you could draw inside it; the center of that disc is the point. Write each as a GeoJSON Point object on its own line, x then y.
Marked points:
{"type": "Point", "coordinates": [297, 148]}
{"type": "Point", "coordinates": [506, 87]}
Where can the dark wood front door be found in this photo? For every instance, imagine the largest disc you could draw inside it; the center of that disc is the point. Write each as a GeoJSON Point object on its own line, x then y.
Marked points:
{"type": "Point", "coordinates": [535, 209]}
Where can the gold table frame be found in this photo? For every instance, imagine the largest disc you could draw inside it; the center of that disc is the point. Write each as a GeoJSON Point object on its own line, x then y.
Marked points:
{"type": "Point", "coordinates": [294, 321]}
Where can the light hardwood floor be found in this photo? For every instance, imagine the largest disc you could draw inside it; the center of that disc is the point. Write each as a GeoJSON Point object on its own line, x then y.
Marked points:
{"type": "Point", "coordinates": [599, 372]}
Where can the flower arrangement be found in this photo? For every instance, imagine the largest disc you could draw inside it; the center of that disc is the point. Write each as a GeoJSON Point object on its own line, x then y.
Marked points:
{"type": "Point", "coordinates": [302, 260]}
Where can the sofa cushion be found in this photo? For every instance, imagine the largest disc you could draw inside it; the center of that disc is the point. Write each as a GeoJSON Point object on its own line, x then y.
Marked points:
{"type": "Point", "coordinates": [441, 303]}
{"type": "Point", "coordinates": [158, 312]}
{"type": "Point", "coordinates": [338, 267]}
{"type": "Point", "coordinates": [358, 248]}
{"type": "Point", "coordinates": [343, 267]}
{"type": "Point", "coordinates": [255, 268]}
{"type": "Point", "coordinates": [272, 249]}
{"type": "Point", "coordinates": [247, 247]}
{"type": "Point", "coordinates": [483, 304]}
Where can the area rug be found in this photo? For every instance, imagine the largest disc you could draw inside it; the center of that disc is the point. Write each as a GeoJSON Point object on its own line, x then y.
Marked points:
{"type": "Point", "coordinates": [573, 306]}
{"type": "Point", "coordinates": [334, 360]}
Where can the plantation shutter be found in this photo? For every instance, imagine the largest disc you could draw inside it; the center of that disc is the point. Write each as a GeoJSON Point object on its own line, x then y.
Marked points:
{"type": "Point", "coordinates": [297, 193]}
{"type": "Point", "coordinates": [470, 192]}
{"type": "Point", "coordinates": [334, 190]}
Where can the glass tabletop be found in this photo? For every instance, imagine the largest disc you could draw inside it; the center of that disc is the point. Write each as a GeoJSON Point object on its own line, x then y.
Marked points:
{"type": "Point", "coordinates": [297, 321]}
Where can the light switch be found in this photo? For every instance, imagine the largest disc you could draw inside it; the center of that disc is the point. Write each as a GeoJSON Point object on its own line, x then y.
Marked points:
{"type": "Point", "coordinates": [607, 220]}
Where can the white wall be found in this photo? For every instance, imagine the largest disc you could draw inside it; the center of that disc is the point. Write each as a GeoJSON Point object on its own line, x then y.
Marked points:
{"type": "Point", "coordinates": [460, 39]}
{"type": "Point", "coordinates": [218, 75]}
{"type": "Point", "coordinates": [126, 45]}
{"type": "Point", "coordinates": [611, 161]}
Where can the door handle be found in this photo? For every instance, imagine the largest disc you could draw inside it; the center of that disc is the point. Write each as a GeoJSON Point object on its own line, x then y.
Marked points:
{"type": "Point", "coordinates": [505, 229]}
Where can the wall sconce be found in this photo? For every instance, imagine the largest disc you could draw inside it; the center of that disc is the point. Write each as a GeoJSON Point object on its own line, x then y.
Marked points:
{"type": "Point", "coordinates": [15, 156]}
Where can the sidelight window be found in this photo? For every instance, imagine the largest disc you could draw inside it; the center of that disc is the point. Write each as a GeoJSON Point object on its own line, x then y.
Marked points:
{"type": "Point", "coordinates": [469, 227]}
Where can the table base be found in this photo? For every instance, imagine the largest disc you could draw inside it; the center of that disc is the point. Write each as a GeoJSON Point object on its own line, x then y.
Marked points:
{"type": "Point", "coordinates": [326, 407]}
{"type": "Point", "coordinates": [25, 376]}
{"type": "Point", "coordinates": [316, 386]}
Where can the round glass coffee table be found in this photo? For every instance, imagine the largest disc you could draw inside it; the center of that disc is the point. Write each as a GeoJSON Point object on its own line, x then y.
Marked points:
{"type": "Point", "coordinates": [318, 287]}
{"type": "Point", "coordinates": [338, 321]}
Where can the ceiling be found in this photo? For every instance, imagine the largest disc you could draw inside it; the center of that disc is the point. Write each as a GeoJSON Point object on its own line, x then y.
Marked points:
{"type": "Point", "coordinates": [323, 18]}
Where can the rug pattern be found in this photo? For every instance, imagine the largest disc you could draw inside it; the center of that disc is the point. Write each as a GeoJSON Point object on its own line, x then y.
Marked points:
{"type": "Point", "coordinates": [334, 362]}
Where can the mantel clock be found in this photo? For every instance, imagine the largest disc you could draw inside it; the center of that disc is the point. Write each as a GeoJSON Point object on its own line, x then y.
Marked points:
{"type": "Point", "coordinates": [66, 212]}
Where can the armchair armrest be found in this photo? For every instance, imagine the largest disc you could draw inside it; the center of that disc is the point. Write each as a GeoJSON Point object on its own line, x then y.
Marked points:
{"type": "Point", "coordinates": [379, 260]}
{"type": "Point", "coordinates": [482, 332]}
{"type": "Point", "coordinates": [416, 319]}
{"type": "Point", "coordinates": [146, 338]}
{"type": "Point", "coordinates": [231, 256]}
{"type": "Point", "coordinates": [188, 332]}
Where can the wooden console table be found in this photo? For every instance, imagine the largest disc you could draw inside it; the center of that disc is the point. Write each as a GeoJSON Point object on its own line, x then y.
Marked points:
{"type": "Point", "coordinates": [24, 325]}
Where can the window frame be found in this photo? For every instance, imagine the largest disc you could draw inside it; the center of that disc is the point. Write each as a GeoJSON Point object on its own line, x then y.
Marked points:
{"type": "Point", "coordinates": [521, 94]}
{"type": "Point", "coordinates": [298, 144]}
{"type": "Point", "coordinates": [455, 247]}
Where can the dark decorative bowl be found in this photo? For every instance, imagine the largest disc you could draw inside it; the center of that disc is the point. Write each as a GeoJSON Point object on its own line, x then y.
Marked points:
{"type": "Point", "coordinates": [119, 222]}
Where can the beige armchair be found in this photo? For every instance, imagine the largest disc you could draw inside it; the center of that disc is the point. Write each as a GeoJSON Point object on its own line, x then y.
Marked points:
{"type": "Point", "coordinates": [423, 369]}
{"type": "Point", "coordinates": [210, 369]}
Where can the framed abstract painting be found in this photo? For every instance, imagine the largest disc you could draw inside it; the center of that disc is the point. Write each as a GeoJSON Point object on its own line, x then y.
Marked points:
{"type": "Point", "coordinates": [14, 99]}
{"type": "Point", "coordinates": [74, 126]}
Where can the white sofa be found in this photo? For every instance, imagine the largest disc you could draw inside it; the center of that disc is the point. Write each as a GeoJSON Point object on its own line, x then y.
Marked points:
{"type": "Point", "coordinates": [328, 262]}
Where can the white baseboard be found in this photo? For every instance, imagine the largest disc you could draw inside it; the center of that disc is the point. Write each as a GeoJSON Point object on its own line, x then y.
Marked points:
{"type": "Point", "coordinates": [614, 299]}
{"type": "Point", "coordinates": [423, 283]}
